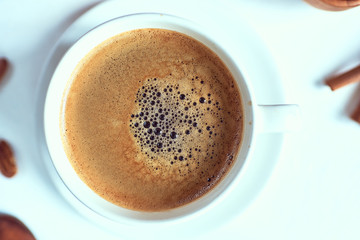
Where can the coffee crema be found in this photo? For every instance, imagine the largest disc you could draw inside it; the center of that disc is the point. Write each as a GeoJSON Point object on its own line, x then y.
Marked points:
{"type": "Point", "coordinates": [151, 120]}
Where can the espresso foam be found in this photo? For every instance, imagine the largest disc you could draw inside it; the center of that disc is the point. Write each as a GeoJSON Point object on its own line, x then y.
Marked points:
{"type": "Point", "coordinates": [152, 120]}
{"type": "Point", "coordinates": [171, 124]}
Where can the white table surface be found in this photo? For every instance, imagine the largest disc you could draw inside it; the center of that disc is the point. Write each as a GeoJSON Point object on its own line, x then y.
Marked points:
{"type": "Point", "coordinates": [313, 191]}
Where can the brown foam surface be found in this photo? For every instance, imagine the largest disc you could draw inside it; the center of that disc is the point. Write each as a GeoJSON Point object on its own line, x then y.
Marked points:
{"type": "Point", "coordinates": [152, 120]}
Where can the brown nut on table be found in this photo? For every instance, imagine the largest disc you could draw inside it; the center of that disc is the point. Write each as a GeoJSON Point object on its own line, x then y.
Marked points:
{"type": "Point", "coordinates": [3, 67]}
{"type": "Point", "coordinates": [7, 160]}
{"type": "Point", "coordinates": [12, 228]}
{"type": "Point", "coordinates": [334, 5]}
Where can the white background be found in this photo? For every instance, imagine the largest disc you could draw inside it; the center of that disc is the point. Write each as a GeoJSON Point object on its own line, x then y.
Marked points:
{"type": "Point", "coordinates": [313, 192]}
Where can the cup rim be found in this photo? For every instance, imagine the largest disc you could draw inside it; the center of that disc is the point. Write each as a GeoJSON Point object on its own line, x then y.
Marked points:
{"type": "Point", "coordinates": [189, 25]}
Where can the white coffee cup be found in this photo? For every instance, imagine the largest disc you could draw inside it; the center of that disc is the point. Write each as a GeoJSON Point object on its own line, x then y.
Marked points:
{"type": "Point", "coordinates": [257, 119]}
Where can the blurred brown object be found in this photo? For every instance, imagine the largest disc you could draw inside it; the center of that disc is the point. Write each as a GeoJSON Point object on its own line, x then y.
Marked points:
{"type": "Point", "coordinates": [334, 5]}
{"type": "Point", "coordinates": [3, 67]}
{"type": "Point", "coordinates": [12, 228]}
{"type": "Point", "coordinates": [7, 160]}
{"type": "Point", "coordinates": [344, 79]}
{"type": "Point", "coordinates": [356, 115]}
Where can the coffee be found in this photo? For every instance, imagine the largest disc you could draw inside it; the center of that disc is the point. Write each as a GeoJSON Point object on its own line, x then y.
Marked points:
{"type": "Point", "coordinates": [151, 120]}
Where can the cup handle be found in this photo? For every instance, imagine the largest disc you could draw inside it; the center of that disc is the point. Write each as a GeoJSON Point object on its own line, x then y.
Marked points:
{"type": "Point", "coordinates": [278, 118]}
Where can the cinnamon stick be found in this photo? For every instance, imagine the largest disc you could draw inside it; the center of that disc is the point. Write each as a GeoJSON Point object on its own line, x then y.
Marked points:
{"type": "Point", "coordinates": [356, 114]}
{"type": "Point", "coordinates": [344, 79]}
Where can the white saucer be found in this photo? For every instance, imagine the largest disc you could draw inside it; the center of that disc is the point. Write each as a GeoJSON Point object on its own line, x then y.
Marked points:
{"type": "Point", "coordinates": [250, 54]}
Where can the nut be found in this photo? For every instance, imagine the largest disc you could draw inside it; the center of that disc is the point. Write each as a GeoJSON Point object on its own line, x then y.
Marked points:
{"type": "Point", "coordinates": [3, 67]}
{"type": "Point", "coordinates": [7, 160]}
{"type": "Point", "coordinates": [12, 228]}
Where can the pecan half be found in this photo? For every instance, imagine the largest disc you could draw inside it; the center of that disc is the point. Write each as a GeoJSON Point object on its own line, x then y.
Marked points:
{"type": "Point", "coordinates": [7, 160]}
{"type": "Point", "coordinates": [12, 228]}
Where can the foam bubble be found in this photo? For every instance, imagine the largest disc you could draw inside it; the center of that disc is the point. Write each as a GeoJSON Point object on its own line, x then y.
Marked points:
{"type": "Point", "coordinates": [172, 121]}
